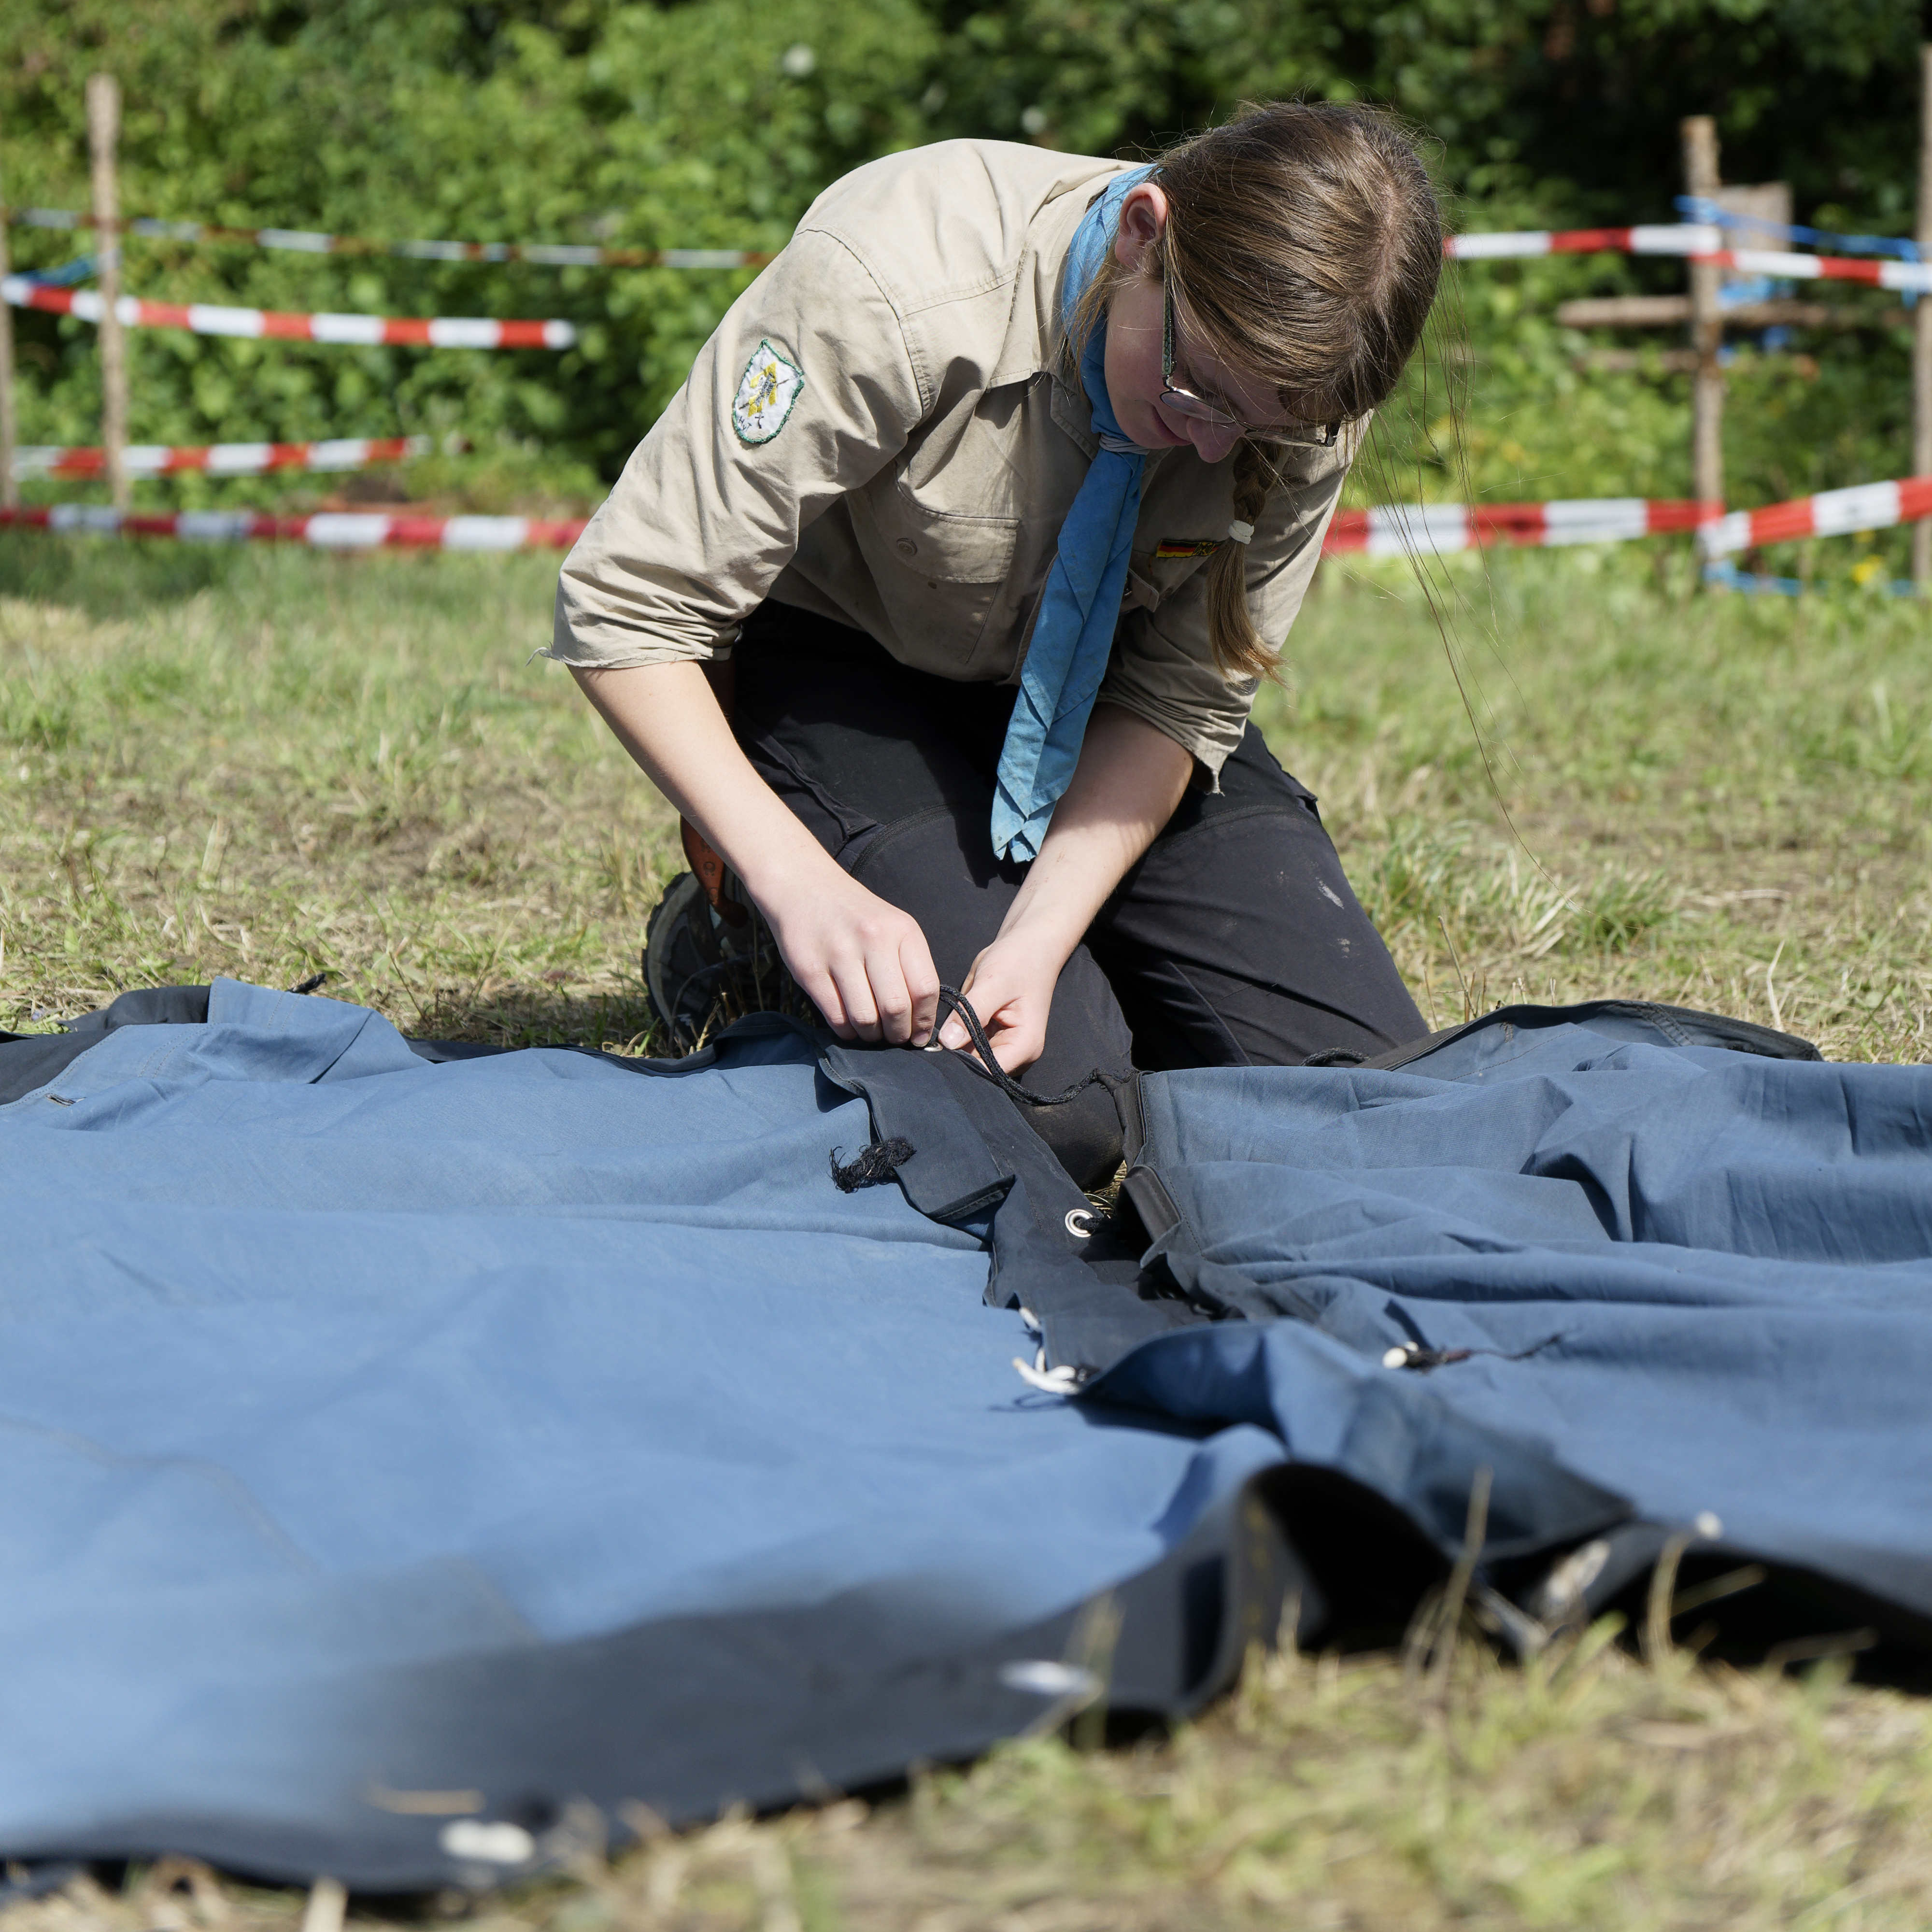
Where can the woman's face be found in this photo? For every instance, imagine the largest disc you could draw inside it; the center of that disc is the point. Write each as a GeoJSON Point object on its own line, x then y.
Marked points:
{"type": "Point", "coordinates": [1135, 318]}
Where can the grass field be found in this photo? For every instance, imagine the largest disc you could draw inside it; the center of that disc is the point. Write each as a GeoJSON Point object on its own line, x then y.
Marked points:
{"type": "Point", "coordinates": [269, 765]}
{"type": "Point", "coordinates": [274, 764]}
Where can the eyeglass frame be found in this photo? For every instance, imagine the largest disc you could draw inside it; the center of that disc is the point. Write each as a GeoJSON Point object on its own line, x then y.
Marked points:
{"type": "Point", "coordinates": [1201, 410]}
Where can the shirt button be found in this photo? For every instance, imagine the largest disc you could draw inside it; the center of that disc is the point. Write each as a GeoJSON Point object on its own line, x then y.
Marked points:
{"type": "Point", "coordinates": [906, 546]}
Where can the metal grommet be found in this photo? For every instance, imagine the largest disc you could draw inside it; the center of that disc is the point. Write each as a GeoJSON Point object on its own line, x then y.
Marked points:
{"type": "Point", "coordinates": [1078, 1214]}
{"type": "Point", "coordinates": [906, 546]}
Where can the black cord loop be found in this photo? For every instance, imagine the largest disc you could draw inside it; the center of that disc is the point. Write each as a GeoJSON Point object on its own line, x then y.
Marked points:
{"type": "Point", "coordinates": [988, 1068]}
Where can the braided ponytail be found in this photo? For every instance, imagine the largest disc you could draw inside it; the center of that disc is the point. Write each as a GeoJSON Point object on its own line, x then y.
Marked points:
{"type": "Point", "coordinates": [1240, 650]}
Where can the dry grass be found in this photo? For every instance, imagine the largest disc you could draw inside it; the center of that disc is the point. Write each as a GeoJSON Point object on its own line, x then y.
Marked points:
{"type": "Point", "coordinates": [1586, 1793]}
{"type": "Point", "coordinates": [309, 764]}
{"type": "Point", "coordinates": [1722, 803]}
{"type": "Point", "coordinates": [268, 765]}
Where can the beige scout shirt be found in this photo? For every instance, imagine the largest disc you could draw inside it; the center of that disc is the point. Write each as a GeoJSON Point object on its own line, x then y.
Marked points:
{"type": "Point", "coordinates": [915, 488]}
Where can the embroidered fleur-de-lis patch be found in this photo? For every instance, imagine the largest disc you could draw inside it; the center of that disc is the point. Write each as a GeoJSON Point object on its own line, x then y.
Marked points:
{"type": "Point", "coordinates": [767, 392]}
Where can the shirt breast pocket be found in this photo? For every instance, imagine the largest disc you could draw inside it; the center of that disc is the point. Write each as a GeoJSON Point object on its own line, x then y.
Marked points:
{"type": "Point", "coordinates": [1154, 576]}
{"type": "Point", "coordinates": [939, 574]}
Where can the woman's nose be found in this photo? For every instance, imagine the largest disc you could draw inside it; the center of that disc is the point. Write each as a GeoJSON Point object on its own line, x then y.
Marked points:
{"type": "Point", "coordinates": [1213, 441]}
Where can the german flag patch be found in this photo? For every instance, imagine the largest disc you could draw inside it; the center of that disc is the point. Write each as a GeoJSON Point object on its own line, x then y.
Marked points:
{"type": "Point", "coordinates": [1171, 547]}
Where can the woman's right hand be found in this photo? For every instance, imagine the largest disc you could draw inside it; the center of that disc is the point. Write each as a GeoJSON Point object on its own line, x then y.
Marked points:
{"type": "Point", "coordinates": [863, 963]}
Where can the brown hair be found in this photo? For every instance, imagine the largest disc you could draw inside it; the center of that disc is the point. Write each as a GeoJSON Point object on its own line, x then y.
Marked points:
{"type": "Point", "coordinates": [1303, 245]}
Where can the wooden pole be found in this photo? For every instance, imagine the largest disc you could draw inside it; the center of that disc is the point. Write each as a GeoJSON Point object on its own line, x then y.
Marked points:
{"type": "Point", "coordinates": [103, 133]}
{"type": "Point", "coordinates": [1921, 331]}
{"type": "Point", "coordinates": [10, 485]}
{"type": "Point", "coordinates": [1707, 327]}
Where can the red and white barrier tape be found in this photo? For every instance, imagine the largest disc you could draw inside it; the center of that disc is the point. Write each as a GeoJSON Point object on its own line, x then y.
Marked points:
{"type": "Point", "coordinates": [222, 459]}
{"type": "Point", "coordinates": [326, 529]}
{"type": "Point", "coordinates": [1915, 276]}
{"type": "Point", "coordinates": [1702, 242]}
{"type": "Point", "coordinates": [1395, 529]}
{"type": "Point", "coordinates": [204, 319]}
{"type": "Point", "coordinates": [1391, 530]}
{"type": "Point", "coordinates": [1831, 513]}
{"type": "Point", "coordinates": [308, 241]}
{"type": "Point", "coordinates": [1676, 238]}
{"type": "Point", "coordinates": [1440, 526]}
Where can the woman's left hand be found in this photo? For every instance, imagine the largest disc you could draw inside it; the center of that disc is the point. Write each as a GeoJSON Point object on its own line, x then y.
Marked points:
{"type": "Point", "coordinates": [1128, 780]}
{"type": "Point", "coordinates": [1011, 987]}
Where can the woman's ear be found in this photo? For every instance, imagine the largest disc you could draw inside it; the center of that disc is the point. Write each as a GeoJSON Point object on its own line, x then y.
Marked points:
{"type": "Point", "coordinates": [1143, 216]}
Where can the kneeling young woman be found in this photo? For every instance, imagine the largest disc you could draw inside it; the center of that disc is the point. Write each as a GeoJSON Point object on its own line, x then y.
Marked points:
{"type": "Point", "coordinates": [999, 489]}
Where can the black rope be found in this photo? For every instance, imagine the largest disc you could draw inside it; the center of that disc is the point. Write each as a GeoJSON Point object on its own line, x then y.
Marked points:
{"type": "Point", "coordinates": [981, 1060]}
{"type": "Point", "coordinates": [880, 1161]}
{"type": "Point", "coordinates": [313, 980]}
{"type": "Point", "coordinates": [988, 1068]}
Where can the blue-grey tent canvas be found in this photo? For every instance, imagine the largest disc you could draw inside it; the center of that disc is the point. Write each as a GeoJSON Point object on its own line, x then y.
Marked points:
{"type": "Point", "coordinates": [403, 1443]}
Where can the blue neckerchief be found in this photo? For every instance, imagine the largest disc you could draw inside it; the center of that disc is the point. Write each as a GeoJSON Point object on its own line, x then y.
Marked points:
{"type": "Point", "coordinates": [1074, 634]}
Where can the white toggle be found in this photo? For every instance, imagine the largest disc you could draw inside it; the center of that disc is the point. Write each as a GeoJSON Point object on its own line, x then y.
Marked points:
{"type": "Point", "coordinates": [1062, 1381]}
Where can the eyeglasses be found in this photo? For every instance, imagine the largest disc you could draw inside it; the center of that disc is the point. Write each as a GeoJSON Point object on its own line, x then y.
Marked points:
{"type": "Point", "coordinates": [1197, 408]}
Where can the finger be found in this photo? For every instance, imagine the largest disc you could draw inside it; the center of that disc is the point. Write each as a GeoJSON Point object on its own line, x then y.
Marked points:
{"type": "Point", "coordinates": [819, 989]}
{"type": "Point", "coordinates": [1016, 1036]}
{"type": "Point", "coordinates": [957, 1034]}
{"type": "Point", "coordinates": [1002, 1035]}
{"type": "Point", "coordinates": [855, 992]}
{"type": "Point", "coordinates": [922, 979]}
{"type": "Point", "coordinates": [1016, 1048]}
{"type": "Point", "coordinates": [994, 1007]}
{"type": "Point", "coordinates": [954, 1033]}
{"type": "Point", "coordinates": [892, 998]}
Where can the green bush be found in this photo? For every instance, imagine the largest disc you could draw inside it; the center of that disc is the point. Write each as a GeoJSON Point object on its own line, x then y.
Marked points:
{"type": "Point", "coordinates": [715, 122]}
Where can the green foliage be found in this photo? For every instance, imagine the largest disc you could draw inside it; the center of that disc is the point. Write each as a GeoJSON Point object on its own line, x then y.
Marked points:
{"type": "Point", "coordinates": [715, 122]}
{"type": "Point", "coordinates": [633, 125]}
{"type": "Point", "coordinates": [1578, 104]}
{"type": "Point", "coordinates": [1531, 421]}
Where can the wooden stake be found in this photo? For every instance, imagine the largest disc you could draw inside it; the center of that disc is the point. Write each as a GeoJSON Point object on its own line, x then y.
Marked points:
{"type": "Point", "coordinates": [104, 134]}
{"type": "Point", "coordinates": [9, 487]}
{"type": "Point", "coordinates": [1707, 327]}
{"type": "Point", "coordinates": [1921, 331]}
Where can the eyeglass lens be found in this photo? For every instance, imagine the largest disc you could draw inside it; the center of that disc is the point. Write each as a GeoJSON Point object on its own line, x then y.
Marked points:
{"type": "Point", "coordinates": [1185, 403]}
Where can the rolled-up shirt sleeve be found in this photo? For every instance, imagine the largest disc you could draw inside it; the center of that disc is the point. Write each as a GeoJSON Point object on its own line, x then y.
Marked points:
{"type": "Point", "coordinates": [709, 507]}
{"type": "Point", "coordinates": [1163, 669]}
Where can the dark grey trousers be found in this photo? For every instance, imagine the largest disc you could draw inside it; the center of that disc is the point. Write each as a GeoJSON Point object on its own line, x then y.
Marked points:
{"type": "Point", "coordinates": [1235, 941]}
